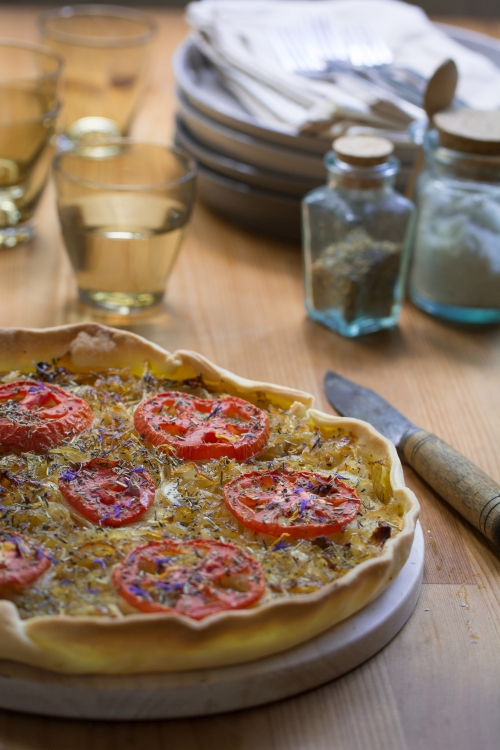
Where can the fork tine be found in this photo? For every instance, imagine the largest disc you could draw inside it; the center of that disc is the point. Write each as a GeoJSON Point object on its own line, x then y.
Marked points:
{"type": "Point", "coordinates": [312, 33]}
{"type": "Point", "coordinates": [304, 43]}
{"type": "Point", "coordinates": [292, 56]}
{"type": "Point", "coordinates": [305, 38]}
{"type": "Point", "coordinates": [355, 50]}
{"type": "Point", "coordinates": [281, 48]}
{"type": "Point", "coordinates": [330, 41]}
{"type": "Point", "coordinates": [378, 47]}
{"type": "Point", "coordinates": [297, 48]}
{"type": "Point", "coordinates": [317, 49]}
{"type": "Point", "coordinates": [374, 48]}
{"type": "Point", "coordinates": [369, 51]}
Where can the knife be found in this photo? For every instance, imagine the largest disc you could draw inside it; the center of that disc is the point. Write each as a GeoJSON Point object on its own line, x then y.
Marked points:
{"type": "Point", "coordinates": [460, 482]}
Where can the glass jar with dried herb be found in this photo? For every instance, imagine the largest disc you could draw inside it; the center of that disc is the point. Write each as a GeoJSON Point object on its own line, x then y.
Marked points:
{"type": "Point", "coordinates": [356, 239]}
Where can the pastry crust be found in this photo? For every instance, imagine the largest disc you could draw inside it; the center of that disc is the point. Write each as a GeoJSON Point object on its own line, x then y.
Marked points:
{"type": "Point", "coordinates": [141, 643]}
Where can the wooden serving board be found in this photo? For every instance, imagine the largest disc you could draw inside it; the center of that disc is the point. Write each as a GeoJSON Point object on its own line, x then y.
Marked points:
{"type": "Point", "coordinates": [211, 691]}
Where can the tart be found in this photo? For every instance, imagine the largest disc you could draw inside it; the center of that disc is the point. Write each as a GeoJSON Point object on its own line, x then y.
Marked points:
{"type": "Point", "coordinates": [159, 513]}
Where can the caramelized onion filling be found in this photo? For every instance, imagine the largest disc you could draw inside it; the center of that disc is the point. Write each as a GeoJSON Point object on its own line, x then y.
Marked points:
{"type": "Point", "coordinates": [188, 503]}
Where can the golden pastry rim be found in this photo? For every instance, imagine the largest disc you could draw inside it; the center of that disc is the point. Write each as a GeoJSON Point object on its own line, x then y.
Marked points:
{"type": "Point", "coordinates": [136, 643]}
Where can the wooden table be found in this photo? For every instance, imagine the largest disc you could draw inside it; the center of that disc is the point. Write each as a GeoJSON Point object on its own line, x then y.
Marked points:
{"type": "Point", "coordinates": [237, 299]}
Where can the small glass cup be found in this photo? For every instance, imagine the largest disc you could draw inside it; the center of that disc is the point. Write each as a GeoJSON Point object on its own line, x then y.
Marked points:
{"type": "Point", "coordinates": [123, 208]}
{"type": "Point", "coordinates": [106, 53]}
{"type": "Point", "coordinates": [29, 77]}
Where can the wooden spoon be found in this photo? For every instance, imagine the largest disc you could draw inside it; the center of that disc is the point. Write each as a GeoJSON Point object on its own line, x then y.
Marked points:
{"type": "Point", "coordinates": [439, 95]}
{"type": "Point", "coordinates": [441, 88]}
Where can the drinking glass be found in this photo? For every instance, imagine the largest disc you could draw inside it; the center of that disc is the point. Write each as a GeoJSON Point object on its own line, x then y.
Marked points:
{"type": "Point", "coordinates": [29, 77]}
{"type": "Point", "coordinates": [123, 208]}
{"type": "Point", "coordinates": [106, 50]}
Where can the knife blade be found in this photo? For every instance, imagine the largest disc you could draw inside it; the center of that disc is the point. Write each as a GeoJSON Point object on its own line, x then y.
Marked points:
{"type": "Point", "coordinates": [474, 494]}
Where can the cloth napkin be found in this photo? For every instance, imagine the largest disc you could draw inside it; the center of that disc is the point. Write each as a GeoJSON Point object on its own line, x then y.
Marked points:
{"type": "Point", "coordinates": [233, 34]}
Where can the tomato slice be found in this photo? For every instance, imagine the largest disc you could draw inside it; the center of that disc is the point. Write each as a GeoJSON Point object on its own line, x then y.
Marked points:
{"type": "Point", "coordinates": [22, 560]}
{"type": "Point", "coordinates": [301, 503]}
{"type": "Point", "coordinates": [196, 578]}
{"type": "Point", "coordinates": [203, 428]}
{"type": "Point", "coordinates": [108, 493]}
{"type": "Point", "coordinates": [35, 416]}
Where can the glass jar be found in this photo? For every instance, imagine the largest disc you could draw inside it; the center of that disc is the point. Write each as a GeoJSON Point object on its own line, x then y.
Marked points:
{"type": "Point", "coordinates": [356, 233]}
{"type": "Point", "coordinates": [455, 271]}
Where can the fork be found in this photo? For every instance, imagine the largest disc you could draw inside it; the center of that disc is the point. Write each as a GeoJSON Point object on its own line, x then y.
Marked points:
{"type": "Point", "coordinates": [319, 50]}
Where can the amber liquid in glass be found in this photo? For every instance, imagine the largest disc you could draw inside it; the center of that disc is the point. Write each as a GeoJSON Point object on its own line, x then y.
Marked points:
{"type": "Point", "coordinates": [25, 152]}
{"type": "Point", "coordinates": [102, 82]}
{"type": "Point", "coordinates": [123, 247]}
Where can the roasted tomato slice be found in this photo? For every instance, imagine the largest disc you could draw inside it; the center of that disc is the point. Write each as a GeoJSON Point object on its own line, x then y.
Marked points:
{"type": "Point", "coordinates": [203, 428]}
{"type": "Point", "coordinates": [22, 560]}
{"type": "Point", "coordinates": [196, 578]}
{"type": "Point", "coordinates": [301, 503]}
{"type": "Point", "coordinates": [35, 416]}
{"type": "Point", "coordinates": [108, 493]}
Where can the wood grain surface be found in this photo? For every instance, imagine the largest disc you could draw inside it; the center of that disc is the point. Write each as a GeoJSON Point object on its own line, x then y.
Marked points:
{"type": "Point", "coordinates": [237, 298]}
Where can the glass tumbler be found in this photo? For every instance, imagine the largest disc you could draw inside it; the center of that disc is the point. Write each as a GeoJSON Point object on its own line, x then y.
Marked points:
{"type": "Point", "coordinates": [123, 208]}
{"type": "Point", "coordinates": [29, 77]}
{"type": "Point", "coordinates": [106, 53]}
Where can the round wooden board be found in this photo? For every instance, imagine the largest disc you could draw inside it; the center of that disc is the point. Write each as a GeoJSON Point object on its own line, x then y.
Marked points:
{"type": "Point", "coordinates": [211, 691]}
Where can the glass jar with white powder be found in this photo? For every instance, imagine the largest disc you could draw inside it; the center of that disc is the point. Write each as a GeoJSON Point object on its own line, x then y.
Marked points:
{"type": "Point", "coordinates": [455, 270]}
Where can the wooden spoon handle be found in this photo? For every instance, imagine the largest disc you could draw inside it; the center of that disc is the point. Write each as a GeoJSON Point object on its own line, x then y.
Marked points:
{"type": "Point", "coordinates": [460, 482]}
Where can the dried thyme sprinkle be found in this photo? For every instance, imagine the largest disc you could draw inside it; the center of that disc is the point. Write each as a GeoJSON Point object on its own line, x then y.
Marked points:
{"type": "Point", "coordinates": [357, 276]}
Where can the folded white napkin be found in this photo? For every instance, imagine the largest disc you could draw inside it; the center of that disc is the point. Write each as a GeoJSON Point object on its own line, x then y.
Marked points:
{"type": "Point", "coordinates": [233, 34]}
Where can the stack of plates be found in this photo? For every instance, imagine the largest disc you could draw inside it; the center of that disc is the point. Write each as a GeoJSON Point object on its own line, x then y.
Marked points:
{"type": "Point", "coordinates": [249, 172]}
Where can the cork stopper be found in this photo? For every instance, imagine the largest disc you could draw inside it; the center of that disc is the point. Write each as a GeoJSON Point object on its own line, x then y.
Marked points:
{"type": "Point", "coordinates": [472, 131]}
{"type": "Point", "coordinates": [363, 150]}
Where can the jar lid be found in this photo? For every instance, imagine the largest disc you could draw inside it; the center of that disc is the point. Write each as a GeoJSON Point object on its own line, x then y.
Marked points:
{"type": "Point", "coordinates": [363, 150]}
{"type": "Point", "coordinates": [472, 131]}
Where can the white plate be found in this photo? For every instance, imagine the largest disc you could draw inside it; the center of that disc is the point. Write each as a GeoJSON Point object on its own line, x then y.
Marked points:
{"type": "Point", "coordinates": [239, 154]}
{"type": "Point", "coordinates": [255, 152]}
{"type": "Point", "coordinates": [264, 211]}
{"type": "Point", "coordinates": [239, 171]}
{"type": "Point", "coordinates": [249, 149]}
{"type": "Point", "coordinates": [255, 208]}
{"type": "Point", "coordinates": [202, 88]}
{"type": "Point", "coordinates": [260, 210]}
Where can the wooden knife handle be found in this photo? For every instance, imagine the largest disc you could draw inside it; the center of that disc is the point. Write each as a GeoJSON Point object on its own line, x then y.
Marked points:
{"type": "Point", "coordinates": [460, 482]}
